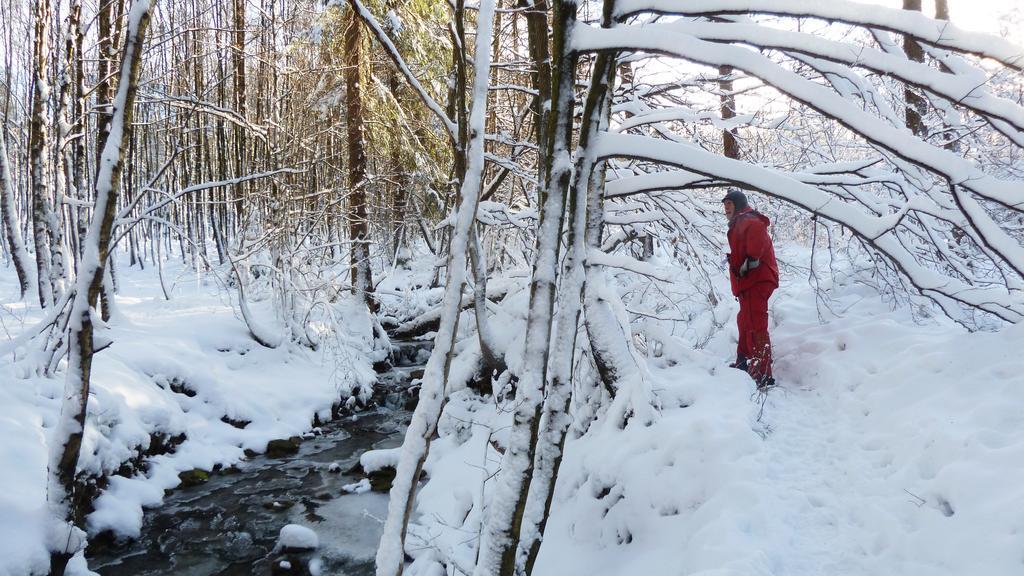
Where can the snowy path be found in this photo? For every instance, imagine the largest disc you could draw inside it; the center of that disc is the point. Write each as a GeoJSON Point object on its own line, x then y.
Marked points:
{"type": "Point", "coordinates": [890, 448]}
{"type": "Point", "coordinates": [892, 451]}
{"type": "Point", "coordinates": [817, 480]}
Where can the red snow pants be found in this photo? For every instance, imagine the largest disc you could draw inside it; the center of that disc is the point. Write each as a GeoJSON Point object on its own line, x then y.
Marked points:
{"type": "Point", "coordinates": [752, 321]}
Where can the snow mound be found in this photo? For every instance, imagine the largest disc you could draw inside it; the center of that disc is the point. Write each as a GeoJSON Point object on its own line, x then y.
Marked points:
{"type": "Point", "coordinates": [297, 537]}
{"type": "Point", "coordinates": [374, 460]}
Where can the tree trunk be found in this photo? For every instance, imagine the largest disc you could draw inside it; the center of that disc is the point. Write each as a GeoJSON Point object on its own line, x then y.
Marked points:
{"type": "Point", "coordinates": [8, 213]}
{"type": "Point", "coordinates": [78, 147]}
{"type": "Point", "coordinates": [67, 437]}
{"type": "Point", "coordinates": [949, 137]}
{"type": "Point", "coordinates": [240, 103]}
{"type": "Point", "coordinates": [588, 181]}
{"type": "Point", "coordinates": [916, 106]}
{"type": "Point", "coordinates": [38, 152]}
{"type": "Point", "coordinates": [362, 279]}
{"type": "Point", "coordinates": [537, 31]}
{"type": "Point", "coordinates": [730, 146]}
{"type": "Point", "coordinates": [391, 553]}
{"type": "Point", "coordinates": [500, 540]}
{"type": "Point", "coordinates": [108, 26]}
{"type": "Point", "coordinates": [490, 362]}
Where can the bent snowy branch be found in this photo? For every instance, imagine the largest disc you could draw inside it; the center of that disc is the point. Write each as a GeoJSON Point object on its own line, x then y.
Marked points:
{"type": "Point", "coordinates": [874, 230]}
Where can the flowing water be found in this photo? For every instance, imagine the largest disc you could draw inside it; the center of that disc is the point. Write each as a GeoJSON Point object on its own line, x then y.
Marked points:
{"type": "Point", "coordinates": [229, 525]}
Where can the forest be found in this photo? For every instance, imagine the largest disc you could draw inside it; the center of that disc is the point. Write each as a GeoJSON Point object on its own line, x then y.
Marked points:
{"type": "Point", "coordinates": [462, 269]}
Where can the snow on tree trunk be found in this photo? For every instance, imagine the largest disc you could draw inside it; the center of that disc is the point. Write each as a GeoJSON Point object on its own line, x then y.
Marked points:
{"type": "Point", "coordinates": [266, 337]}
{"type": "Point", "coordinates": [391, 552]}
{"type": "Point", "coordinates": [537, 33]}
{"type": "Point", "coordinates": [12, 232]}
{"type": "Point", "coordinates": [554, 423]}
{"type": "Point", "coordinates": [38, 152]}
{"type": "Point", "coordinates": [78, 146]}
{"type": "Point", "coordinates": [65, 170]}
{"type": "Point", "coordinates": [64, 540]}
{"type": "Point", "coordinates": [621, 368]}
{"type": "Point", "coordinates": [500, 539]}
{"type": "Point", "coordinates": [727, 98]}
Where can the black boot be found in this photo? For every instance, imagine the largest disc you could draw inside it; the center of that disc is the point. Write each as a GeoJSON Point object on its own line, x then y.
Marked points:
{"type": "Point", "coordinates": [740, 363]}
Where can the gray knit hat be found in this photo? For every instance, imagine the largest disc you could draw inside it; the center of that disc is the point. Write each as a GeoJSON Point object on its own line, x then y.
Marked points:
{"type": "Point", "coordinates": [738, 199]}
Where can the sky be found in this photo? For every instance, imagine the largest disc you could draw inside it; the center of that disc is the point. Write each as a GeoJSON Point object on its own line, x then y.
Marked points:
{"type": "Point", "coordinates": [977, 15]}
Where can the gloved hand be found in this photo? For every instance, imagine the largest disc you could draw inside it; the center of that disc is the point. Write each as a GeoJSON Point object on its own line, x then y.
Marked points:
{"type": "Point", "coordinates": [748, 265]}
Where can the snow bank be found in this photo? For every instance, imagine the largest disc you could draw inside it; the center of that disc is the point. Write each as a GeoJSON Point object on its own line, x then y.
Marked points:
{"type": "Point", "coordinates": [185, 366]}
{"type": "Point", "coordinates": [374, 460]}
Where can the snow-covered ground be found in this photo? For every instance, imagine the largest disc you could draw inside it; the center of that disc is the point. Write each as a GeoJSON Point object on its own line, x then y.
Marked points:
{"type": "Point", "coordinates": [193, 342]}
{"type": "Point", "coordinates": [889, 447]}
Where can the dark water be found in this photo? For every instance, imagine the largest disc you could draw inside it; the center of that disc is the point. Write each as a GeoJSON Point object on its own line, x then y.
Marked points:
{"type": "Point", "coordinates": [229, 525]}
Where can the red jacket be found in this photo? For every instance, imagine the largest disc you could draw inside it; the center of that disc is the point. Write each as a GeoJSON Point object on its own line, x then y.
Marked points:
{"type": "Point", "coordinates": [748, 238]}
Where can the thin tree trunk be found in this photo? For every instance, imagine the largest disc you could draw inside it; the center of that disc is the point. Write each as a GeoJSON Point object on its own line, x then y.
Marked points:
{"type": "Point", "coordinates": [391, 552]}
{"type": "Point", "coordinates": [942, 13]}
{"type": "Point", "coordinates": [8, 212]}
{"type": "Point", "coordinates": [537, 31]}
{"type": "Point", "coordinates": [78, 147]}
{"type": "Point", "coordinates": [730, 146]}
{"type": "Point", "coordinates": [38, 152]}
{"type": "Point", "coordinates": [588, 181]}
{"type": "Point", "coordinates": [500, 540]}
{"type": "Point", "coordinates": [108, 26]}
{"type": "Point", "coordinates": [105, 47]}
{"type": "Point", "coordinates": [916, 106]}
{"type": "Point", "coordinates": [400, 207]}
{"type": "Point", "coordinates": [66, 441]}
{"type": "Point", "coordinates": [490, 362]}
{"type": "Point", "coordinates": [239, 77]}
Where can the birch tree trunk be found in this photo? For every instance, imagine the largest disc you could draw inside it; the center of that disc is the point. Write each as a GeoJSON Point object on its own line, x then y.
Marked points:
{"type": "Point", "coordinates": [500, 539]}
{"type": "Point", "coordinates": [66, 441]}
{"type": "Point", "coordinates": [730, 147]}
{"type": "Point", "coordinates": [554, 422]}
{"type": "Point", "coordinates": [78, 147]}
{"type": "Point", "coordinates": [391, 552]}
{"type": "Point", "coordinates": [38, 150]}
{"type": "Point", "coordinates": [108, 14]}
{"type": "Point", "coordinates": [8, 213]}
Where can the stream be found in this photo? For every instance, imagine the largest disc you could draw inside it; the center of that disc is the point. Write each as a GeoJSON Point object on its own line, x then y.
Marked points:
{"type": "Point", "coordinates": [229, 525]}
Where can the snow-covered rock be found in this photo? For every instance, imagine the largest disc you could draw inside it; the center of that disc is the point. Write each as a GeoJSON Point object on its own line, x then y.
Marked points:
{"type": "Point", "coordinates": [295, 537]}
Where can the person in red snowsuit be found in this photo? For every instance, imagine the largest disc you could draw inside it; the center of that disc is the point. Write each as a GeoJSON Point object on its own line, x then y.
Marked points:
{"type": "Point", "coordinates": [754, 275]}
